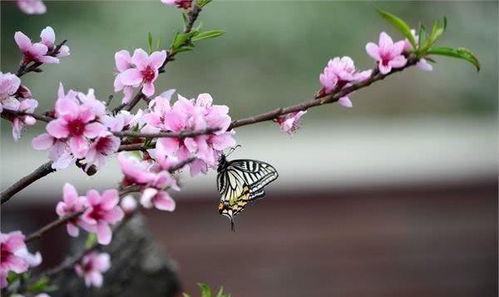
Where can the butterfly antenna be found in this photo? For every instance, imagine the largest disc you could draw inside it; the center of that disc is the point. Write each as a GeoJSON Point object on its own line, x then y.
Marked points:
{"type": "Point", "coordinates": [233, 149]}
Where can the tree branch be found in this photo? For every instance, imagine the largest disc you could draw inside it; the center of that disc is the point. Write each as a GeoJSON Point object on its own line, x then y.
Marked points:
{"type": "Point", "coordinates": [182, 134]}
{"type": "Point", "coordinates": [26, 181]}
{"type": "Point", "coordinates": [7, 114]}
{"type": "Point", "coordinates": [329, 98]}
{"type": "Point", "coordinates": [313, 102]}
{"type": "Point", "coordinates": [52, 225]}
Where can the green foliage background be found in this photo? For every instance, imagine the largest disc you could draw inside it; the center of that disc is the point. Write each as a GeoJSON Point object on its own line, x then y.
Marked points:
{"type": "Point", "coordinates": [271, 55]}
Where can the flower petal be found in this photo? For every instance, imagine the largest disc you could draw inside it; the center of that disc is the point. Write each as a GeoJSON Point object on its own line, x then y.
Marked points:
{"type": "Point", "coordinates": [131, 77]}
{"type": "Point", "coordinates": [23, 41]}
{"type": "Point", "coordinates": [43, 142]}
{"type": "Point", "coordinates": [58, 128]}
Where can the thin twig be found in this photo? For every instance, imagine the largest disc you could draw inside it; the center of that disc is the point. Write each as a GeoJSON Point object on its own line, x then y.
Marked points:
{"type": "Point", "coordinates": [181, 164]}
{"type": "Point", "coordinates": [7, 114]}
{"type": "Point", "coordinates": [182, 134]}
{"type": "Point", "coordinates": [52, 225]}
{"type": "Point", "coordinates": [26, 181]}
{"type": "Point", "coordinates": [330, 98]}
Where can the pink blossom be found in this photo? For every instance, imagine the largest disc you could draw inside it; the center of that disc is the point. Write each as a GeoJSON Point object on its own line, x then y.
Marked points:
{"type": "Point", "coordinates": [101, 148]}
{"type": "Point", "coordinates": [18, 122]}
{"type": "Point", "coordinates": [59, 152]}
{"type": "Point", "coordinates": [192, 115]}
{"type": "Point", "coordinates": [128, 204]}
{"type": "Point", "coordinates": [119, 122]}
{"type": "Point", "coordinates": [157, 198]}
{"type": "Point", "coordinates": [31, 6]}
{"type": "Point", "coordinates": [135, 171]}
{"type": "Point", "coordinates": [91, 268]}
{"type": "Point", "coordinates": [123, 62]}
{"type": "Point", "coordinates": [33, 52]}
{"type": "Point", "coordinates": [291, 122]}
{"type": "Point", "coordinates": [155, 194]}
{"type": "Point", "coordinates": [388, 54]}
{"type": "Point", "coordinates": [145, 71]}
{"type": "Point", "coordinates": [9, 84]}
{"type": "Point", "coordinates": [14, 255]}
{"type": "Point", "coordinates": [74, 122]}
{"type": "Point", "coordinates": [155, 179]}
{"type": "Point", "coordinates": [424, 65]}
{"type": "Point", "coordinates": [340, 73]}
{"type": "Point", "coordinates": [48, 38]}
{"type": "Point", "coordinates": [185, 4]}
{"type": "Point", "coordinates": [102, 211]}
{"type": "Point", "coordinates": [96, 106]}
{"type": "Point", "coordinates": [71, 204]}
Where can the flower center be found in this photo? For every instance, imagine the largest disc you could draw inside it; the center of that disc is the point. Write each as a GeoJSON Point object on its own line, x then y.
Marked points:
{"type": "Point", "coordinates": [4, 253]}
{"type": "Point", "coordinates": [87, 267]}
{"type": "Point", "coordinates": [185, 4]}
{"type": "Point", "coordinates": [385, 58]}
{"type": "Point", "coordinates": [148, 74]}
{"type": "Point", "coordinates": [28, 57]}
{"type": "Point", "coordinates": [103, 145]}
{"type": "Point", "coordinates": [97, 213]}
{"type": "Point", "coordinates": [76, 127]}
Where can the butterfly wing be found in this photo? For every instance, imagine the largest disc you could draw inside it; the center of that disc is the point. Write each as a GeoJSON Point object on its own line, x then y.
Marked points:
{"type": "Point", "coordinates": [256, 174]}
{"type": "Point", "coordinates": [240, 182]}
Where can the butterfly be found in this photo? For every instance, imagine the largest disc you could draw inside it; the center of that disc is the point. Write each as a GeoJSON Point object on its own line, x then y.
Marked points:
{"type": "Point", "coordinates": [240, 182]}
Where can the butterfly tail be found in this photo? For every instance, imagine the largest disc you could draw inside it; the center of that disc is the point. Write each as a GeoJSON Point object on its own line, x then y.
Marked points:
{"type": "Point", "coordinates": [232, 226]}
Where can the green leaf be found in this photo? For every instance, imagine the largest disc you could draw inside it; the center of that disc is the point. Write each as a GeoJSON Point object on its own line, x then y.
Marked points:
{"type": "Point", "coordinates": [207, 35]}
{"type": "Point", "coordinates": [221, 292]}
{"type": "Point", "coordinates": [184, 48]}
{"type": "Point", "coordinates": [203, 3]}
{"type": "Point", "coordinates": [421, 35]}
{"type": "Point", "coordinates": [400, 24]}
{"type": "Point", "coordinates": [12, 277]}
{"type": "Point", "coordinates": [460, 53]}
{"type": "Point", "coordinates": [182, 39]}
{"type": "Point", "coordinates": [40, 285]}
{"type": "Point", "coordinates": [205, 290]}
{"type": "Point", "coordinates": [51, 288]}
{"type": "Point", "coordinates": [437, 30]}
{"type": "Point", "coordinates": [91, 240]}
{"type": "Point", "coordinates": [149, 41]}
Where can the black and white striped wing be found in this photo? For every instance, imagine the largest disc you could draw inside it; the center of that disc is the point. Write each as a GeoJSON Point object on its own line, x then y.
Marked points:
{"type": "Point", "coordinates": [255, 174]}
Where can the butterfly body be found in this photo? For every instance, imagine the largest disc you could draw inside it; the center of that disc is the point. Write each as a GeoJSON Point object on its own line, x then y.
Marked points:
{"type": "Point", "coordinates": [240, 182]}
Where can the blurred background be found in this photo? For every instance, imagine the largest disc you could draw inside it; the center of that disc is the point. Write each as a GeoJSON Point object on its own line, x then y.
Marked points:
{"type": "Point", "coordinates": [394, 197]}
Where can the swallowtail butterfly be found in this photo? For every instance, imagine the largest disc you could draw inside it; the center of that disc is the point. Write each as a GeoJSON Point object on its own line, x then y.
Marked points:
{"type": "Point", "coordinates": [240, 182]}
